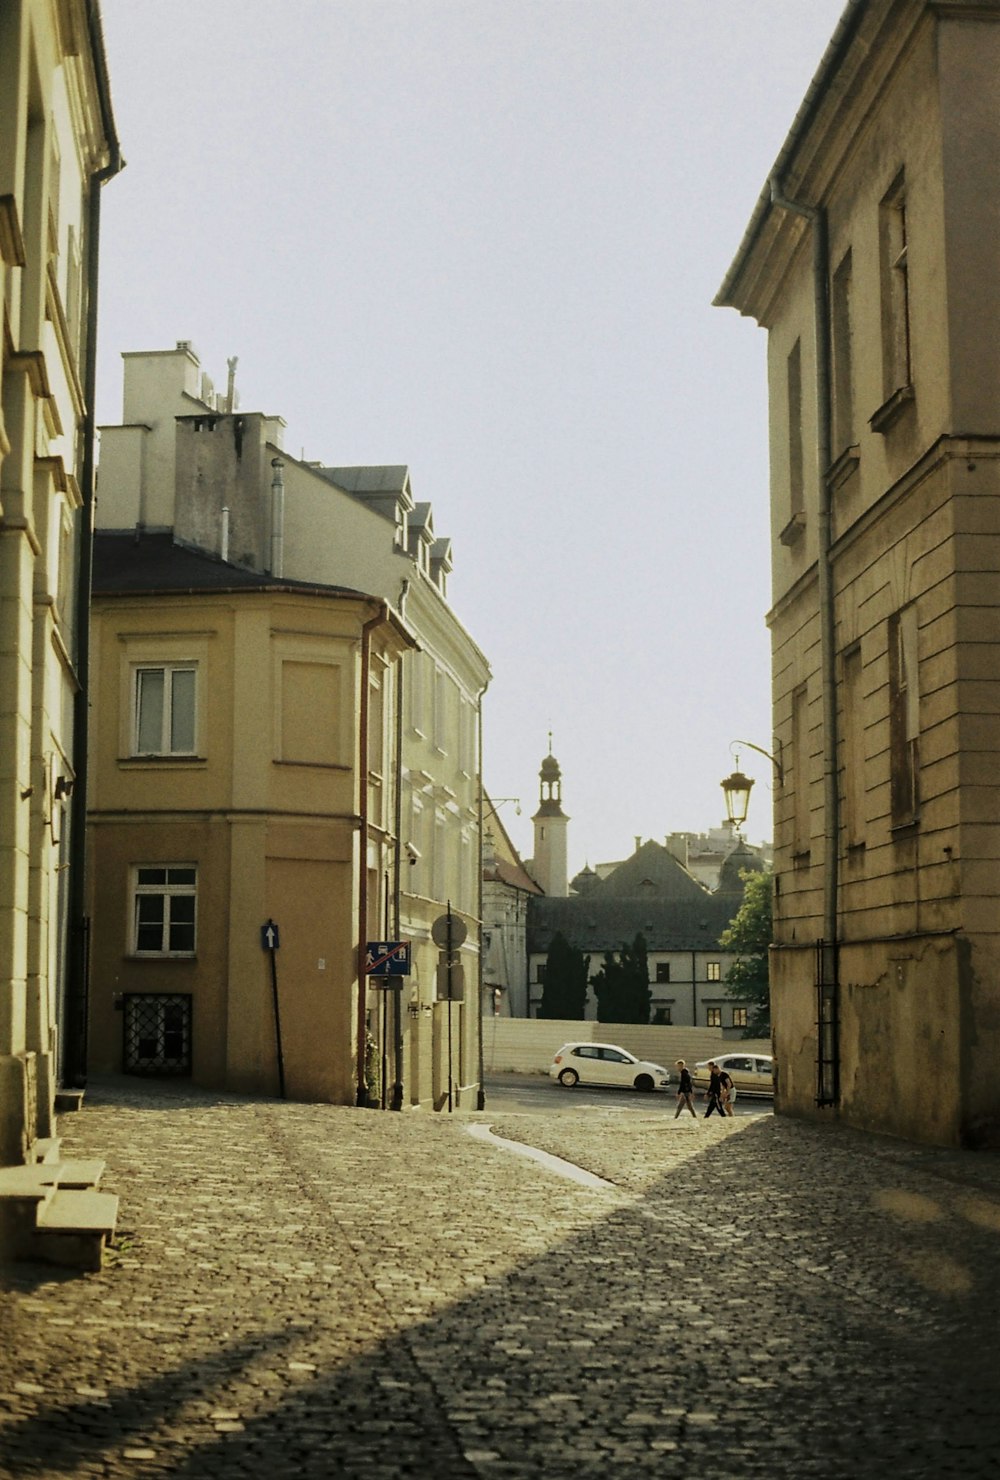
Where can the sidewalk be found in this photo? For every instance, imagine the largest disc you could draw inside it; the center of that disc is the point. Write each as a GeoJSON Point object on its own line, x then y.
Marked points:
{"type": "Point", "coordinates": [326, 1292]}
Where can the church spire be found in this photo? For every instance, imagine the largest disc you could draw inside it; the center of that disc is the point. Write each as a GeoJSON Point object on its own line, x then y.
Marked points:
{"type": "Point", "coordinates": [551, 822]}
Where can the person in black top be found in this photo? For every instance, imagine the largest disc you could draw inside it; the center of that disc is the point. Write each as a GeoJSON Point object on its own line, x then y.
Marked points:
{"type": "Point", "coordinates": [685, 1089]}
{"type": "Point", "coordinates": [714, 1091]}
{"type": "Point", "coordinates": [728, 1092]}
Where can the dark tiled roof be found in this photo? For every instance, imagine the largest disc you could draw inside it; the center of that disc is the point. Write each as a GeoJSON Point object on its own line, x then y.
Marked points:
{"type": "Point", "coordinates": [126, 563]}
{"type": "Point", "coordinates": [596, 925]}
{"type": "Point", "coordinates": [652, 893]}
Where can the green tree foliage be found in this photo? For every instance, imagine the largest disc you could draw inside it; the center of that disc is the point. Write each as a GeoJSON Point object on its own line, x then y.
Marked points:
{"type": "Point", "coordinates": [749, 934]}
{"type": "Point", "coordinates": [621, 986]}
{"type": "Point", "coordinates": [564, 992]}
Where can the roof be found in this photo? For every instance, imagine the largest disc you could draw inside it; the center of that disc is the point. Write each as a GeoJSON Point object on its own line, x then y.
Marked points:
{"type": "Point", "coordinates": [651, 893]}
{"type": "Point", "coordinates": [841, 40]}
{"type": "Point", "coordinates": [126, 562]}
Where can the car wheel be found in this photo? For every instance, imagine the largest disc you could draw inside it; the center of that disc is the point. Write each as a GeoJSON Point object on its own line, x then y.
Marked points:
{"type": "Point", "coordinates": [645, 1083]}
{"type": "Point", "coordinates": [569, 1077]}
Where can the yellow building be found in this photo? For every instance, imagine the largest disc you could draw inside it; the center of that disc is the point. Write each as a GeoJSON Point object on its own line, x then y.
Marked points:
{"type": "Point", "coordinates": [186, 462]}
{"type": "Point", "coordinates": [871, 260]}
{"type": "Point", "coordinates": [57, 146]}
{"type": "Point", "coordinates": [242, 790]}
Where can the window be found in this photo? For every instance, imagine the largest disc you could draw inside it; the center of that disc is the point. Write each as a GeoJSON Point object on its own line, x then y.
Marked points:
{"type": "Point", "coordinates": [895, 286]}
{"type": "Point", "coordinates": [904, 716]}
{"type": "Point", "coordinates": [853, 755]}
{"type": "Point", "coordinates": [796, 480]}
{"type": "Point", "coordinates": [164, 714]}
{"type": "Point", "coordinates": [714, 1017]}
{"type": "Point", "coordinates": [801, 820]}
{"type": "Point", "coordinates": [663, 971]}
{"type": "Point", "coordinates": [540, 971]}
{"type": "Point", "coordinates": [713, 972]}
{"type": "Point", "coordinates": [157, 1033]}
{"type": "Point", "coordinates": [164, 909]}
{"type": "Point", "coordinates": [739, 1017]}
{"type": "Point", "coordinates": [663, 1016]}
{"type": "Point", "coordinates": [843, 371]}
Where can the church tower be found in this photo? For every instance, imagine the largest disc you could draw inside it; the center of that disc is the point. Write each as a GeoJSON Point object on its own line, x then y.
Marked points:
{"type": "Point", "coordinates": [549, 863]}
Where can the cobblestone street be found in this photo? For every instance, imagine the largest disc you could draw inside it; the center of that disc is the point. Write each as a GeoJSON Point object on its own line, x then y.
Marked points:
{"type": "Point", "coordinates": [317, 1291]}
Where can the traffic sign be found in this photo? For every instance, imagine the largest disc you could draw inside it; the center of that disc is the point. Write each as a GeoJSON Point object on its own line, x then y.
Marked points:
{"type": "Point", "coordinates": [387, 958]}
{"type": "Point", "coordinates": [448, 930]}
{"type": "Point", "coordinates": [269, 937]}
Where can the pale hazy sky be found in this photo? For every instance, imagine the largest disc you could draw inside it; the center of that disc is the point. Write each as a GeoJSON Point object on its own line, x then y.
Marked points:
{"type": "Point", "coordinates": [482, 237]}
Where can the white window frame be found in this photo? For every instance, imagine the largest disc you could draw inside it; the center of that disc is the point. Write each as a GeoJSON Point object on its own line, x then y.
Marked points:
{"type": "Point", "coordinates": [713, 971]}
{"type": "Point", "coordinates": [184, 885]}
{"type": "Point", "coordinates": [169, 671]}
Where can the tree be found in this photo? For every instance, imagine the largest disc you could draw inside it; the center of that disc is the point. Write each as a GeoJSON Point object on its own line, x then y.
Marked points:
{"type": "Point", "coordinates": [564, 991]}
{"type": "Point", "coordinates": [749, 934]}
{"type": "Point", "coordinates": [621, 986]}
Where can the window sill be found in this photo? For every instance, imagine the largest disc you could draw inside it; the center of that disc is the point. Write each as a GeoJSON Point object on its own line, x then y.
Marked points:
{"type": "Point", "coordinates": [900, 830]}
{"type": "Point", "coordinates": [890, 411]}
{"type": "Point", "coordinates": [148, 762]}
{"type": "Point", "coordinates": [161, 956]}
{"type": "Point", "coordinates": [794, 529]}
{"type": "Point", "coordinates": [843, 468]}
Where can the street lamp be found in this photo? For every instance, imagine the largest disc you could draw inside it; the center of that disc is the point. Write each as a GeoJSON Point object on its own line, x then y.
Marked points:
{"type": "Point", "coordinates": [737, 787]}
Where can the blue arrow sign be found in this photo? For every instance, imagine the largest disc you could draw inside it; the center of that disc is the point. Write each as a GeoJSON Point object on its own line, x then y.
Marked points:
{"type": "Point", "coordinates": [387, 958]}
{"type": "Point", "coordinates": [269, 938]}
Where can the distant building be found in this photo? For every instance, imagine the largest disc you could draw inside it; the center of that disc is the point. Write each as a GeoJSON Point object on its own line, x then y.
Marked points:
{"type": "Point", "coordinates": [871, 260]}
{"type": "Point", "coordinates": [653, 894]}
{"type": "Point", "coordinates": [57, 146]}
{"type": "Point", "coordinates": [549, 865]}
{"type": "Point", "coordinates": [507, 888]}
{"type": "Point", "coordinates": [188, 463]}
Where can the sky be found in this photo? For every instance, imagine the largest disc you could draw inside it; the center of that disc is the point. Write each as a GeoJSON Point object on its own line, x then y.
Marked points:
{"type": "Point", "coordinates": [482, 238]}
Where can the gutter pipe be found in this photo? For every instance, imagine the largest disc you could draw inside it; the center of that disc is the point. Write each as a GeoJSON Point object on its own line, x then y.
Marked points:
{"type": "Point", "coordinates": [366, 633]}
{"type": "Point", "coordinates": [74, 1040]}
{"type": "Point", "coordinates": [816, 216]}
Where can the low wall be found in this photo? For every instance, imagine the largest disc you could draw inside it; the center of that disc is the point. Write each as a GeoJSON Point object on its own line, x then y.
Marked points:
{"type": "Point", "coordinates": [527, 1045]}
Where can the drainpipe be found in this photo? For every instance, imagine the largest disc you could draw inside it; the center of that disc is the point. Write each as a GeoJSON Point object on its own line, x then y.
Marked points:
{"type": "Point", "coordinates": [366, 632]}
{"type": "Point", "coordinates": [74, 1041]}
{"type": "Point", "coordinates": [816, 216]}
{"type": "Point", "coordinates": [481, 1092]}
{"type": "Point", "coordinates": [224, 541]}
{"type": "Point", "coordinates": [277, 518]}
{"type": "Point", "coordinates": [397, 1088]}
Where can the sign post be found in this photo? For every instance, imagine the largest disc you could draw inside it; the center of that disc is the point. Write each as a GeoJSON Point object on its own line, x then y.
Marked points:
{"type": "Point", "coordinates": [270, 940]}
{"type": "Point", "coordinates": [448, 932]}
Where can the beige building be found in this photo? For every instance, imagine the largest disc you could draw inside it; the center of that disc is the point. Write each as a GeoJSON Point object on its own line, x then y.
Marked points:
{"type": "Point", "coordinates": [57, 146]}
{"type": "Point", "coordinates": [241, 769]}
{"type": "Point", "coordinates": [188, 463]}
{"type": "Point", "coordinates": [871, 260]}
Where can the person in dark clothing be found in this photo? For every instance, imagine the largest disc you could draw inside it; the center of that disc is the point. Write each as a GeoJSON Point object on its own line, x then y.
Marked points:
{"type": "Point", "coordinates": [714, 1091]}
{"type": "Point", "coordinates": [728, 1091]}
{"type": "Point", "coordinates": [685, 1089]}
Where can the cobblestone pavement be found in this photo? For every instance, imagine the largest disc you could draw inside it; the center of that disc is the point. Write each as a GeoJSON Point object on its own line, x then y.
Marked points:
{"type": "Point", "coordinates": [317, 1291]}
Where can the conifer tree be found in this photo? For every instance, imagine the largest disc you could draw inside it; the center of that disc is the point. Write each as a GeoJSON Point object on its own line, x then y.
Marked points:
{"type": "Point", "coordinates": [564, 992]}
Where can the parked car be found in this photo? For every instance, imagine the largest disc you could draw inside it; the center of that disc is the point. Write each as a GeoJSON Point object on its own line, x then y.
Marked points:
{"type": "Point", "coordinates": [751, 1073]}
{"type": "Point", "coordinates": [606, 1063]}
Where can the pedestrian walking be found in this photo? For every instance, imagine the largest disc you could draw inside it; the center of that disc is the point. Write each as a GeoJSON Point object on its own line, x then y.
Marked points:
{"type": "Point", "coordinates": [728, 1094]}
{"type": "Point", "coordinates": [685, 1089]}
{"type": "Point", "coordinates": [714, 1090]}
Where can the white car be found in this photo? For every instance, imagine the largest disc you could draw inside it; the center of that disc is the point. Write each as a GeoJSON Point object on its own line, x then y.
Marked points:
{"type": "Point", "coordinates": [751, 1073]}
{"type": "Point", "coordinates": [606, 1063]}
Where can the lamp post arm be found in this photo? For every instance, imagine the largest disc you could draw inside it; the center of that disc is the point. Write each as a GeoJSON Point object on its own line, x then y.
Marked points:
{"type": "Point", "coordinates": [774, 759]}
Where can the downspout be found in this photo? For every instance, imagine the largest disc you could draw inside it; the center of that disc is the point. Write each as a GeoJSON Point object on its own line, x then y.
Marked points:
{"type": "Point", "coordinates": [396, 1102]}
{"type": "Point", "coordinates": [816, 216]}
{"type": "Point", "coordinates": [74, 1056]}
{"type": "Point", "coordinates": [481, 1092]}
{"type": "Point", "coordinates": [366, 632]}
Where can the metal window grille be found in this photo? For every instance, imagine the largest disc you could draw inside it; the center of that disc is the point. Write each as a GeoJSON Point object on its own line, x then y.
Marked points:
{"type": "Point", "coordinates": [157, 1033]}
{"type": "Point", "coordinates": [827, 1024]}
